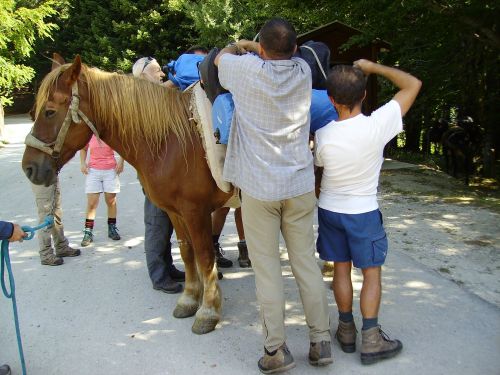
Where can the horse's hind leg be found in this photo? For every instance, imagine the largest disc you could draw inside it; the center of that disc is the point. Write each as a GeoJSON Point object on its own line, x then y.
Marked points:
{"type": "Point", "coordinates": [189, 301]}
{"type": "Point", "coordinates": [199, 226]}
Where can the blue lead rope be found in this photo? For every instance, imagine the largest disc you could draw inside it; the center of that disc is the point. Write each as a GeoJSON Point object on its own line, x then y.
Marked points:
{"type": "Point", "coordinates": [49, 220]}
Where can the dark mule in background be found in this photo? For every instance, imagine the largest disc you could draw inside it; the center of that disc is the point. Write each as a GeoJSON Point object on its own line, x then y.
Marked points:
{"type": "Point", "coordinates": [150, 126]}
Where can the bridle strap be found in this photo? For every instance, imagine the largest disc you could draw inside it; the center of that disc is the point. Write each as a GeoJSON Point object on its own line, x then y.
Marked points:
{"type": "Point", "coordinates": [75, 115]}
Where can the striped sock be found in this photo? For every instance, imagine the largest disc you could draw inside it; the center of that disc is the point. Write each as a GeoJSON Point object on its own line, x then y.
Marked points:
{"type": "Point", "coordinates": [111, 220]}
{"type": "Point", "coordinates": [89, 223]}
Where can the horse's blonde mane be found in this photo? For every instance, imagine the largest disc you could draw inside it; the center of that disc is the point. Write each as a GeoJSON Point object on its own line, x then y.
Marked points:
{"type": "Point", "coordinates": [132, 107]}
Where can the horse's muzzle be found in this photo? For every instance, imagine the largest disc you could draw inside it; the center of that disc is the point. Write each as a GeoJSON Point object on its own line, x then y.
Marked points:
{"type": "Point", "coordinates": [40, 174]}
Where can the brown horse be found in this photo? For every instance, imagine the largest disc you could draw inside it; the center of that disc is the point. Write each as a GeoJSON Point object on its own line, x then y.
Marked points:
{"type": "Point", "coordinates": [151, 127]}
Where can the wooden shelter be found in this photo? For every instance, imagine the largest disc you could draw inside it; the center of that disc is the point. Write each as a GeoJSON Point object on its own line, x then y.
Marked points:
{"type": "Point", "coordinates": [334, 35]}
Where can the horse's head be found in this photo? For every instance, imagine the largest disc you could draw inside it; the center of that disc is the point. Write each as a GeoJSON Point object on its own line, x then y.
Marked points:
{"type": "Point", "coordinates": [57, 133]}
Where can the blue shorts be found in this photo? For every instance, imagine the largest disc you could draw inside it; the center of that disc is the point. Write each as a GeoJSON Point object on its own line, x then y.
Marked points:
{"type": "Point", "coordinates": [359, 238]}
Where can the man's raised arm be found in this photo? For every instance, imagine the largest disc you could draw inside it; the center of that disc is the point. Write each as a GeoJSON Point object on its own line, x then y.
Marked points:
{"type": "Point", "coordinates": [409, 86]}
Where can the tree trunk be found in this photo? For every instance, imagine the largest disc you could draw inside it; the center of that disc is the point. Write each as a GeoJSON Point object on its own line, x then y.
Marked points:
{"type": "Point", "coordinates": [2, 125]}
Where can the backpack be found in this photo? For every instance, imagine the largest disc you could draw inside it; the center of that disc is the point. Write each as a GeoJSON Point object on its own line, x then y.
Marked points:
{"type": "Point", "coordinates": [184, 71]}
{"type": "Point", "coordinates": [209, 75]}
{"type": "Point", "coordinates": [317, 56]}
{"type": "Point", "coordinates": [222, 117]}
{"type": "Point", "coordinates": [322, 110]}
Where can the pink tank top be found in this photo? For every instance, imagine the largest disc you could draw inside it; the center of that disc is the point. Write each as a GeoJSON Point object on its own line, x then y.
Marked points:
{"type": "Point", "coordinates": [102, 156]}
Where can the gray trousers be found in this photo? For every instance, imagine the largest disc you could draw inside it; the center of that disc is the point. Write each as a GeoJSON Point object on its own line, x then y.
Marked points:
{"type": "Point", "coordinates": [157, 244]}
{"type": "Point", "coordinates": [48, 201]}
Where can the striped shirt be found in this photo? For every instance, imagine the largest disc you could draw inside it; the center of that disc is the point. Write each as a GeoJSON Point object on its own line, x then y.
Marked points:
{"type": "Point", "coordinates": [268, 155]}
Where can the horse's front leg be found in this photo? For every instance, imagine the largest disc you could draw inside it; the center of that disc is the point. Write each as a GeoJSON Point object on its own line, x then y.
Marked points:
{"type": "Point", "coordinates": [208, 315]}
{"type": "Point", "coordinates": [190, 300]}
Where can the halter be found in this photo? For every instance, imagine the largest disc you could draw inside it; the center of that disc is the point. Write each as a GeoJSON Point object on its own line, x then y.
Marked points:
{"type": "Point", "coordinates": [73, 115]}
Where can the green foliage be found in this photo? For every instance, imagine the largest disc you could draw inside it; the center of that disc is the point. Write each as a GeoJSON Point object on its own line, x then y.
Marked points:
{"type": "Point", "coordinates": [22, 23]}
{"type": "Point", "coordinates": [112, 35]}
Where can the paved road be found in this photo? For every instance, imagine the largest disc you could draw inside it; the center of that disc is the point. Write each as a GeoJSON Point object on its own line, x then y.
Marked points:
{"type": "Point", "coordinates": [97, 314]}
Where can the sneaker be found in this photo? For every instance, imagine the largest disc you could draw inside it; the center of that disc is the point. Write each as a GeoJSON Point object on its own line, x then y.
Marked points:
{"type": "Point", "coordinates": [346, 336]}
{"type": "Point", "coordinates": [177, 275]}
{"type": "Point", "coordinates": [169, 286]}
{"type": "Point", "coordinates": [281, 360]}
{"type": "Point", "coordinates": [243, 259]}
{"type": "Point", "coordinates": [68, 251]}
{"type": "Point", "coordinates": [52, 260]}
{"type": "Point", "coordinates": [113, 232]}
{"type": "Point", "coordinates": [88, 237]}
{"type": "Point", "coordinates": [320, 353]}
{"type": "Point", "coordinates": [376, 345]}
{"type": "Point", "coordinates": [219, 256]}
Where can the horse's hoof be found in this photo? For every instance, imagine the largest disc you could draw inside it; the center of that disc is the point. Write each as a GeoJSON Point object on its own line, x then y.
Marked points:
{"type": "Point", "coordinates": [185, 311]}
{"type": "Point", "coordinates": [202, 326]}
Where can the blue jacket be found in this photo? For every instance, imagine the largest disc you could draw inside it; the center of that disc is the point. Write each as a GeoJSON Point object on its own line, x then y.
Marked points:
{"type": "Point", "coordinates": [6, 230]}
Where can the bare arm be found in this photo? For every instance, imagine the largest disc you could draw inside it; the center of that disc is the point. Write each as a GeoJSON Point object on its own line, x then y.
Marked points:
{"type": "Point", "coordinates": [318, 174]}
{"type": "Point", "coordinates": [83, 161]}
{"type": "Point", "coordinates": [409, 86]}
{"type": "Point", "coordinates": [232, 49]}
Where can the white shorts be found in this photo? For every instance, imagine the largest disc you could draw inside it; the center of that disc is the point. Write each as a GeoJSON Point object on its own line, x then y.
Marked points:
{"type": "Point", "coordinates": [99, 181]}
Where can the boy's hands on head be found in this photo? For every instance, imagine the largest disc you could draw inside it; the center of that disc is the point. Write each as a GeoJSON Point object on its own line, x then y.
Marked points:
{"type": "Point", "coordinates": [366, 66]}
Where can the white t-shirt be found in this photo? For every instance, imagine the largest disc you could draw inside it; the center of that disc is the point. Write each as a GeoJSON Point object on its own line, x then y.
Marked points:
{"type": "Point", "coordinates": [351, 154]}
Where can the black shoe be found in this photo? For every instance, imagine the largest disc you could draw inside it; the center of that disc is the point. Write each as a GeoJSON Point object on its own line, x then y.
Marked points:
{"type": "Point", "coordinates": [5, 370]}
{"type": "Point", "coordinates": [177, 275]}
{"type": "Point", "coordinates": [219, 257]}
{"type": "Point", "coordinates": [113, 232]}
{"type": "Point", "coordinates": [169, 286]}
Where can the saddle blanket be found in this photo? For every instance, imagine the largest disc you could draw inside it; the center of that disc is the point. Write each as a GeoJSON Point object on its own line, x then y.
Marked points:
{"type": "Point", "coordinates": [201, 108]}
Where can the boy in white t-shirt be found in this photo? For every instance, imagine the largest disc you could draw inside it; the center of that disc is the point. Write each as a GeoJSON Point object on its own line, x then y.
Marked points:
{"type": "Point", "coordinates": [349, 158]}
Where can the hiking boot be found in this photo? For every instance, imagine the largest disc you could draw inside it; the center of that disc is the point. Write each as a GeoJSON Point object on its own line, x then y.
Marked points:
{"type": "Point", "coordinates": [113, 232]}
{"type": "Point", "coordinates": [346, 336]}
{"type": "Point", "coordinates": [243, 259]}
{"type": "Point", "coordinates": [68, 251]}
{"type": "Point", "coordinates": [281, 360]}
{"type": "Point", "coordinates": [5, 370]}
{"type": "Point", "coordinates": [376, 345]}
{"type": "Point", "coordinates": [52, 260]}
{"type": "Point", "coordinates": [320, 353]}
{"type": "Point", "coordinates": [219, 257]}
{"type": "Point", "coordinates": [88, 237]}
{"type": "Point", "coordinates": [177, 275]}
{"type": "Point", "coordinates": [169, 286]}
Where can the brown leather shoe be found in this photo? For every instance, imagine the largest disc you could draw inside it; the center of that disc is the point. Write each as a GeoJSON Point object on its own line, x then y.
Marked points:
{"type": "Point", "coordinates": [376, 345]}
{"type": "Point", "coordinates": [68, 251]}
{"type": "Point", "coordinates": [52, 260]}
{"type": "Point", "coordinates": [281, 360]}
{"type": "Point", "coordinates": [320, 353]}
{"type": "Point", "coordinates": [243, 259]}
{"type": "Point", "coordinates": [346, 336]}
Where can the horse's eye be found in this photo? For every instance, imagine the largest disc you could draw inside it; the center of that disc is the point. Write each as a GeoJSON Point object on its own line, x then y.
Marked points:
{"type": "Point", "coordinates": [50, 113]}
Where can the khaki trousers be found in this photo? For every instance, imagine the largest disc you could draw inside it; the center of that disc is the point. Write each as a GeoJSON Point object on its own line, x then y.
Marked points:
{"type": "Point", "coordinates": [48, 201]}
{"type": "Point", "coordinates": [263, 221]}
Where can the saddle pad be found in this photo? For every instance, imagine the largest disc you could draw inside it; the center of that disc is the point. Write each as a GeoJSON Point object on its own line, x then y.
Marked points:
{"type": "Point", "coordinates": [215, 153]}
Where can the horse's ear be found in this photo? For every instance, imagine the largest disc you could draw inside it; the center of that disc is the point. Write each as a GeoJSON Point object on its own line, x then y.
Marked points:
{"type": "Point", "coordinates": [57, 61]}
{"type": "Point", "coordinates": [74, 70]}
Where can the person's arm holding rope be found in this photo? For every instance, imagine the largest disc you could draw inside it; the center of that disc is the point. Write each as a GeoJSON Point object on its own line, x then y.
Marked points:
{"type": "Point", "coordinates": [11, 231]}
